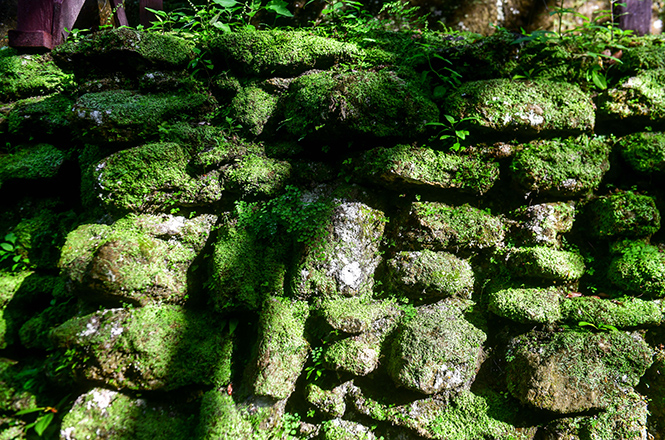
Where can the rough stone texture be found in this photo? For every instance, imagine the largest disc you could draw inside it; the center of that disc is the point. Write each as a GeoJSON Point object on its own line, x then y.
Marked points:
{"type": "Point", "coordinates": [22, 76]}
{"type": "Point", "coordinates": [543, 224]}
{"type": "Point", "coordinates": [409, 167]}
{"type": "Point", "coordinates": [344, 260]}
{"type": "Point", "coordinates": [638, 97]}
{"type": "Point", "coordinates": [282, 350]}
{"type": "Point", "coordinates": [109, 415]}
{"type": "Point", "coordinates": [654, 380]}
{"type": "Point", "coordinates": [139, 259]}
{"type": "Point", "coordinates": [639, 269]}
{"type": "Point", "coordinates": [148, 348]}
{"type": "Point", "coordinates": [547, 263]}
{"type": "Point", "coordinates": [430, 274]}
{"type": "Point", "coordinates": [326, 106]}
{"type": "Point", "coordinates": [624, 214]}
{"type": "Point", "coordinates": [353, 315]}
{"type": "Point", "coordinates": [43, 116]}
{"type": "Point", "coordinates": [331, 403]}
{"type": "Point", "coordinates": [437, 350]}
{"type": "Point", "coordinates": [527, 306]}
{"type": "Point", "coordinates": [620, 313]}
{"type": "Point", "coordinates": [645, 152]}
{"type": "Point", "coordinates": [571, 372]}
{"type": "Point", "coordinates": [565, 167]}
{"type": "Point", "coordinates": [436, 226]}
{"type": "Point", "coordinates": [529, 107]}
{"type": "Point", "coordinates": [255, 175]}
{"type": "Point", "coordinates": [31, 162]}
{"type": "Point", "coordinates": [338, 429]}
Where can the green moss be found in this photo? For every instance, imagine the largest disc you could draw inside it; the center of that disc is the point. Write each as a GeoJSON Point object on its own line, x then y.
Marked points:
{"type": "Point", "coordinates": [339, 429]}
{"type": "Point", "coordinates": [352, 315]}
{"type": "Point", "coordinates": [562, 167]}
{"type": "Point", "coordinates": [219, 418]}
{"type": "Point", "coordinates": [620, 313]}
{"type": "Point", "coordinates": [639, 269]}
{"type": "Point", "coordinates": [22, 76]}
{"type": "Point", "coordinates": [329, 106]}
{"type": "Point", "coordinates": [149, 348]}
{"type": "Point", "coordinates": [280, 53]}
{"type": "Point", "coordinates": [329, 402]}
{"type": "Point", "coordinates": [282, 349]}
{"type": "Point", "coordinates": [411, 167]}
{"type": "Point", "coordinates": [645, 152]}
{"type": "Point", "coordinates": [436, 226]}
{"type": "Point", "coordinates": [41, 161]}
{"type": "Point", "coordinates": [253, 107]}
{"type": "Point", "coordinates": [48, 115]}
{"type": "Point", "coordinates": [640, 96]}
{"type": "Point", "coordinates": [527, 306]}
{"type": "Point", "coordinates": [624, 214]}
{"type": "Point", "coordinates": [151, 178]}
{"type": "Point", "coordinates": [358, 355]}
{"type": "Point", "coordinates": [545, 262]}
{"type": "Point", "coordinates": [522, 106]}
{"type": "Point", "coordinates": [432, 274]}
{"type": "Point", "coordinates": [257, 175]}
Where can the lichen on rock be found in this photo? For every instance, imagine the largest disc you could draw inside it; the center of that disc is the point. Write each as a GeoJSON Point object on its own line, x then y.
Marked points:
{"type": "Point", "coordinates": [527, 306]}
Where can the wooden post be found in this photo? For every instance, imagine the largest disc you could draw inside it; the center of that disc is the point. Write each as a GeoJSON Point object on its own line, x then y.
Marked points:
{"type": "Point", "coordinates": [120, 14]}
{"type": "Point", "coordinates": [34, 22]}
{"type": "Point", "coordinates": [146, 16]}
{"type": "Point", "coordinates": [636, 15]}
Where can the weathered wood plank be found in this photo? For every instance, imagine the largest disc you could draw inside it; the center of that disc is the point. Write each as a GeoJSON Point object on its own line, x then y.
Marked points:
{"type": "Point", "coordinates": [635, 15]}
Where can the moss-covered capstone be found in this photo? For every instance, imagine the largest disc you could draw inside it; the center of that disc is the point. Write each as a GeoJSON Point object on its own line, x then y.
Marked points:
{"type": "Point", "coordinates": [513, 107]}
{"type": "Point", "coordinates": [340, 429]}
{"type": "Point", "coordinates": [355, 314]}
{"type": "Point", "coordinates": [408, 167]}
{"type": "Point", "coordinates": [639, 97]}
{"type": "Point", "coordinates": [527, 306]}
{"type": "Point", "coordinates": [437, 350]}
{"type": "Point", "coordinates": [147, 348]}
{"type": "Point", "coordinates": [570, 372]}
{"type": "Point", "coordinates": [333, 106]}
{"type": "Point", "coordinates": [547, 263]}
{"type": "Point", "coordinates": [257, 175]}
{"type": "Point", "coordinates": [44, 116]}
{"type": "Point", "coordinates": [150, 178]}
{"type": "Point", "coordinates": [645, 152]}
{"type": "Point", "coordinates": [330, 403]}
{"type": "Point", "coordinates": [623, 313]}
{"type": "Point", "coordinates": [282, 350]}
{"type": "Point", "coordinates": [30, 162]}
{"type": "Point", "coordinates": [253, 107]}
{"type": "Point", "coordinates": [639, 269]}
{"type": "Point", "coordinates": [431, 274]}
{"type": "Point", "coordinates": [624, 214]}
{"type": "Point", "coordinates": [562, 167]}
{"type": "Point", "coordinates": [139, 259]}
{"type": "Point", "coordinates": [437, 226]}
{"type": "Point", "coordinates": [121, 49]}
{"type": "Point", "coordinates": [543, 224]}
{"type": "Point", "coordinates": [110, 415]}
{"type": "Point", "coordinates": [280, 53]}
{"type": "Point", "coordinates": [22, 76]}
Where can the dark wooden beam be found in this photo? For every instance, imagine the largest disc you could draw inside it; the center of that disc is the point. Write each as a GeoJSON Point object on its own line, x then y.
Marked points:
{"type": "Point", "coordinates": [635, 15]}
{"type": "Point", "coordinates": [146, 17]}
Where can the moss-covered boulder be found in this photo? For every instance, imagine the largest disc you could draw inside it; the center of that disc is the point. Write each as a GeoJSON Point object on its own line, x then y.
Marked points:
{"type": "Point", "coordinates": [543, 224]}
{"type": "Point", "coordinates": [624, 214]}
{"type": "Point", "coordinates": [510, 107]}
{"type": "Point", "coordinates": [149, 178]}
{"type": "Point", "coordinates": [437, 350]}
{"type": "Point", "coordinates": [253, 107]}
{"type": "Point", "coordinates": [624, 313]}
{"type": "Point", "coordinates": [279, 53]}
{"type": "Point", "coordinates": [343, 259]}
{"type": "Point", "coordinates": [126, 116]}
{"type": "Point", "coordinates": [644, 152]}
{"type": "Point", "coordinates": [639, 269]}
{"type": "Point", "coordinates": [45, 117]}
{"type": "Point", "coordinates": [640, 98]}
{"type": "Point", "coordinates": [220, 418]}
{"type": "Point", "coordinates": [340, 429]}
{"type": "Point", "coordinates": [408, 167]}
{"type": "Point", "coordinates": [31, 162]}
{"type": "Point", "coordinates": [22, 76]}
{"type": "Point", "coordinates": [123, 49]}
{"type": "Point", "coordinates": [355, 314]}
{"type": "Point", "coordinates": [147, 348]}
{"type": "Point", "coordinates": [437, 226]}
{"type": "Point", "coordinates": [562, 167]}
{"type": "Point", "coordinates": [10, 283]}
{"type": "Point", "coordinates": [430, 274]}
{"type": "Point", "coordinates": [654, 382]}
{"type": "Point", "coordinates": [257, 175]}
{"type": "Point", "coordinates": [546, 263]}
{"type": "Point", "coordinates": [570, 372]}
{"type": "Point", "coordinates": [139, 259]}
{"type": "Point", "coordinates": [328, 106]}
{"type": "Point", "coordinates": [330, 403]}
{"type": "Point", "coordinates": [109, 415]}
{"type": "Point", "coordinates": [282, 347]}
{"type": "Point", "coordinates": [527, 306]}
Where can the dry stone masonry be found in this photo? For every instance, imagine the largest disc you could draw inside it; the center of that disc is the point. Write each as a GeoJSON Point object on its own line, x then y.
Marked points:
{"type": "Point", "coordinates": [328, 236]}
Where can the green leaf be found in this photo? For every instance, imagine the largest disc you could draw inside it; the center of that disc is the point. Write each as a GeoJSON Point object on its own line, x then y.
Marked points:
{"type": "Point", "coordinates": [233, 324]}
{"type": "Point", "coordinates": [279, 7]}
{"type": "Point", "coordinates": [29, 411]}
{"type": "Point", "coordinates": [11, 237]}
{"type": "Point", "coordinates": [226, 3]}
{"type": "Point", "coordinates": [7, 247]}
{"type": "Point", "coordinates": [43, 423]}
{"type": "Point", "coordinates": [599, 80]}
{"type": "Point", "coordinates": [449, 119]}
{"type": "Point", "coordinates": [223, 26]}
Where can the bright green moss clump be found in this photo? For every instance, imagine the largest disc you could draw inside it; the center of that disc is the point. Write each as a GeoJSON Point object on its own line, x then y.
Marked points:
{"type": "Point", "coordinates": [253, 107]}
{"type": "Point", "coordinates": [645, 152]}
{"type": "Point", "coordinates": [641, 96]}
{"type": "Point", "coordinates": [640, 269]}
{"type": "Point", "coordinates": [257, 175]}
{"type": "Point", "coordinates": [411, 167]}
{"type": "Point", "coordinates": [40, 161]}
{"type": "Point", "coordinates": [41, 116]}
{"type": "Point", "coordinates": [28, 75]}
{"type": "Point", "coordinates": [562, 167]}
{"type": "Point", "coordinates": [545, 262]}
{"type": "Point", "coordinates": [527, 306]}
{"type": "Point", "coordinates": [624, 214]}
{"type": "Point", "coordinates": [620, 313]}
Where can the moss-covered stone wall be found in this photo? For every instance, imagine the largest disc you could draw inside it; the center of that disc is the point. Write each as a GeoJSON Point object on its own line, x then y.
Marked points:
{"type": "Point", "coordinates": [316, 234]}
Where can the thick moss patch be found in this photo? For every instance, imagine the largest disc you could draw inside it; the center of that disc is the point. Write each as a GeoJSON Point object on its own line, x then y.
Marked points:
{"type": "Point", "coordinates": [547, 263]}
{"type": "Point", "coordinates": [43, 116]}
{"type": "Point", "coordinates": [527, 306]}
{"type": "Point", "coordinates": [645, 152]}
{"type": "Point", "coordinates": [624, 214]}
{"type": "Point", "coordinates": [639, 269]}
{"type": "Point", "coordinates": [641, 96]}
{"type": "Point", "coordinates": [22, 76]}
{"type": "Point", "coordinates": [620, 313]}
{"type": "Point", "coordinates": [40, 161]}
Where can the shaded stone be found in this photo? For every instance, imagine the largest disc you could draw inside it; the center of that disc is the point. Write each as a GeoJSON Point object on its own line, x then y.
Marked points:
{"type": "Point", "coordinates": [544, 223]}
{"type": "Point", "coordinates": [527, 306]}
{"type": "Point", "coordinates": [437, 350]}
{"type": "Point", "coordinates": [566, 167]}
{"type": "Point", "coordinates": [571, 372]}
{"type": "Point", "coordinates": [31, 162]}
{"type": "Point", "coordinates": [408, 167]}
{"type": "Point", "coordinates": [44, 117]}
{"type": "Point", "coordinates": [645, 152]}
{"type": "Point", "coordinates": [640, 269]}
{"type": "Point", "coordinates": [624, 214]}
{"type": "Point", "coordinates": [154, 347]}
{"type": "Point", "coordinates": [436, 226]}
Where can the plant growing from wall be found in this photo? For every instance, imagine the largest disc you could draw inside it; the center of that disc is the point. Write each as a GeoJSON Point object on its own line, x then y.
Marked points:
{"type": "Point", "coordinates": [11, 255]}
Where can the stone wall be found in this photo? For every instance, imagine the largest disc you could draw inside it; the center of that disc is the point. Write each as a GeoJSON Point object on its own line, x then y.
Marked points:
{"type": "Point", "coordinates": [294, 234]}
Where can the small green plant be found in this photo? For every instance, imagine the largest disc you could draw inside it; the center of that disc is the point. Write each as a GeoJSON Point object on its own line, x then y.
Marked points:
{"type": "Point", "coordinates": [598, 327]}
{"type": "Point", "coordinates": [44, 419]}
{"type": "Point", "coordinates": [452, 129]}
{"type": "Point", "coordinates": [10, 252]}
{"type": "Point", "coordinates": [315, 370]}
